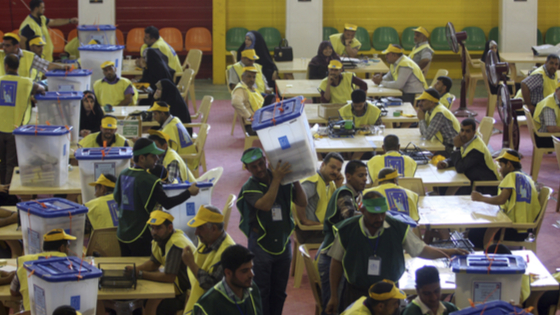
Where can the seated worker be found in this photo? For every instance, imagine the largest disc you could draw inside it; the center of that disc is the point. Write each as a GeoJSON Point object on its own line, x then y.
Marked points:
{"type": "Point", "coordinates": [176, 167]}
{"type": "Point", "coordinates": [55, 243]}
{"type": "Point", "coordinates": [337, 87]}
{"type": "Point", "coordinates": [517, 197]}
{"type": "Point", "coordinates": [363, 113]}
{"type": "Point", "coordinates": [236, 292]}
{"type": "Point", "coordinates": [343, 204]}
{"type": "Point", "coordinates": [472, 158]}
{"type": "Point", "coordinates": [428, 300]}
{"type": "Point", "coordinates": [235, 72]}
{"type": "Point", "coordinates": [179, 138]}
{"type": "Point", "coordinates": [398, 198]}
{"type": "Point", "coordinates": [547, 118]}
{"type": "Point", "coordinates": [404, 164]}
{"type": "Point", "coordinates": [540, 83]}
{"type": "Point", "coordinates": [108, 135]}
{"type": "Point", "coordinates": [245, 98]}
{"type": "Point", "coordinates": [404, 74]}
{"type": "Point", "coordinates": [36, 45]}
{"type": "Point", "coordinates": [345, 44]}
{"type": "Point", "coordinates": [153, 40]}
{"type": "Point", "coordinates": [112, 90]}
{"type": "Point", "coordinates": [205, 268]}
{"type": "Point", "coordinates": [435, 120]}
{"type": "Point", "coordinates": [102, 211]}
{"type": "Point", "coordinates": [383, 299]}
{"type": "Point", "coordinates": [443, 86]}
{"type": "Point", "coordinates": [29, 63]}
{"type": "Point", "coordinates": [167, 248]}
{"type": "Point", "coordinates": [422, 53]}
{"type": "Point", "coordinates": [382, 258]}
{"type": "Point", "coordinates": [319, 189]}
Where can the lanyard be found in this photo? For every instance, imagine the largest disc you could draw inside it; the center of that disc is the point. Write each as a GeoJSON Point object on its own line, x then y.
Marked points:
{"type": "Point", "coordinates": [237, 305]}
{"type": "Point", "coordinates": [376, 243]}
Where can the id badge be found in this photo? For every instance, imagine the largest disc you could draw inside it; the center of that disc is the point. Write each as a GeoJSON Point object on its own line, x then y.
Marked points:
{"type": "Point", "coordinates": [276, 213]}
{"type": "Point", "coordinates": [374, 266]}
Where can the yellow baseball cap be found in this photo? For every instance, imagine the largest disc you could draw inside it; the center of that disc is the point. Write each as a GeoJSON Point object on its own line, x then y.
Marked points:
{"type": "Point", "coordinates": [102, 180]}
{"type": "Point", "coordinates": [508, 157]}
{"type": "Point", "coordinates": [335, 64]}
{"type": "Point", "coordinates": [395, 293]}
{"type": "Point", "coordinates": [109, 122]}
{"type": "Point", "coordinates": [160, 134]}
{"type": "Point", "coordinates": [12, 35]}
{"type": "Point", "coordinates": [37, 41]}
{"type": "Point", "coordinates": [350, 27]}
{"type": "Point", "coordinates": [250, 53]}
{"type": "Point", "coordinates": [107, 64]}
{"type": "Point", "coordinates": [159, 108]}
{"type": "Point", "coordinates": [393, 49]}
{"type": "Point", "coordinates": [422, 30]}
{"type": "Point", "coordinates": [250, 69]}
{"type": "Point", "coordinates": [57, 235]}
{"type": "Point", "coordinates": [204, 216]}
{"type": "Point", "coordinates": [158, 217]}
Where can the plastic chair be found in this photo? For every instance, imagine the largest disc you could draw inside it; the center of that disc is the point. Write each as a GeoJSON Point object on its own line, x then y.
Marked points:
{"type": "Point", "coordinates": [230, 202]}
{"type": "Point", "coordinates": [314, 278]}
{"type": "Point", "coordinates": [204, 109]}
{"type": "Point", "coordinates": [328, 31]}
{"type": "Point", "coordinates": [438, 39]}
{"type": "Point", "coordinates": [494, 34]}
{"type": "Point", "coordinates": [297, 262]}
{"type": "Point", "coordinates": [472, 78]}
{"type": "Point", "coordinates": [556, 142]}
{"type": "Point", "coordinates": [383, 36]}
{"type": "Point", "coordinates": [16, 31]}
{"type": "Point", "coordinates": [120, 37]}
{"type": "Point", "coordinates": [413, 183]}
{"type": "Point", "coordinates": [73, 34]}
{"type": "Point", "coordinates": [272, 37]}
{"type": "Point", "coordinates": [233, 54]}
{"type": "Point", "coordinates": [553, 35]}
{"type": "Point", "coordinates": [235, 37]}
{"type": "Point", "coordinates": [185, 83]}
{"type": "Point", "coordinates": [476, 39]}
{"type": "Point", "coordinates": [57, 38]}
{"type": "Point", "coordinates": [363, 36]}
{"type": "Point", "coordinates": [104, 242]}
{"type": "Point", "coordinates": [408, 38]}
{"type": "Point", "coordinates": [194, 58]}
{"type": "Point", "coordinates": [485, 129]}
{"type": "Point", "coordinates": [537, 152]}
{"type": "Point", "coordinates": [540, 40]}
{"type": "Point", "coordinates": [135, 39]}
{"type": "Point", "coordinates": [173, 37]}
{"type": "Point", "coordinates": [249, 139]}
{"type": "Point", "coordinates": [199, 142]}
{"type": "Point", "coordinates": [212, 176]}
{"type": "Point", "coordinates": [198, 38]}
{"type": "Point", "coordinates": [439, 73]}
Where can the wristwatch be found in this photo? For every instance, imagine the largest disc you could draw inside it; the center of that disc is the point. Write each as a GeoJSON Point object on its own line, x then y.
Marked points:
{"type": "Point", "coordinates": [140, 274]}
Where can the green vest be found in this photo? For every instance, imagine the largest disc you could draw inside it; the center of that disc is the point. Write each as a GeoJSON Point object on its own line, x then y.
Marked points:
{"type": "Point", "coordinates": [369, 118]}
{"type": "Point", "coordinates": [550, 102]}
{"type": "Point", "coordinates": [408, 63]}
{"type": "Point", "coordinates": [216, 301]}
{"type": "Point", "coordinates": [90, 141]}
{"type": "Point", "coordinates": [272, 235]}
{"type": "Point", "coordinates": [40, 30]}
{"type": "Point", "coordinates": [133, 194]}
{"type": "Point", "coordinates": [14, 101]}
{"type": "Point", "coordinates": [332, 216]}
{"type": "Point", "coordinates": [177, 239]}
{"type": "Point", "coordinates": [359, 248]}
{"type": "Point", "coordinates": [414, 309]}
{"type": "Point", "coordinates": [448, 115]}
{"type": "Point", "coordinates": [341, 93]}
{"type": "Point", "coordinates": [261, 87]}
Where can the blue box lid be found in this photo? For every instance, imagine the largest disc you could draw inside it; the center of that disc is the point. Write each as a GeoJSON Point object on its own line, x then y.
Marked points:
{"type": "Point", "coordinates": [101, 47]}
{"type": "Point", "coordinates": [186, 185]}
{"type": "Point", "coordinates": [499, 264]}
{"type": "Point", "coordinates": [285, 111]}
{"type": "Point", "coordinates": [105, 27]}
{"type": "Point", "coordinates": [42, 130]}
{"type": "Point", "coordinates": [52, 207]}
{"type": "Point", "coordinates": [111, 153]}
{"type": "Point", "coordinates": [403, 217]}
{"type": "Point", "coordinates": [492, 308]}
{"type": "Point", "coordinates": [73, 73]}
{"type": "Point", "coordinates": [62, 269]}
{"type": "Point", "coordinates": [53, 96]}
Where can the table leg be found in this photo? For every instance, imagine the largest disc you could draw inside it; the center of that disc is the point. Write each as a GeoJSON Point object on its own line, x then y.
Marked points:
{"type": "Point", "coordinates": [513, 71]}
{"type": "Point", "coordinates": [451, 190]}
{"type": "Point", "coordinates": [533, 300]}
{"type": "Point", "coordinates": [15, 247]}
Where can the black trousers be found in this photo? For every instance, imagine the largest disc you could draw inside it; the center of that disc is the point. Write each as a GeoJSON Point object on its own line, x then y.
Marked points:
{"type": "Point", "coordinates": [141, 247]}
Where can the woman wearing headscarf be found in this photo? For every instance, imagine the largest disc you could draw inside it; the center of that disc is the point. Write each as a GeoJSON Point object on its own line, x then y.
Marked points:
{"type": "Point", "coordinates": [254, 40]}
{"type": "Point", "coordinates": [90, 114]}
{"type": "Point", "coordinates": [156, 69]}
{"type": "Point", "coordinates": [318, 65]}
{"type": "Point", "coordinates": [167, 91]}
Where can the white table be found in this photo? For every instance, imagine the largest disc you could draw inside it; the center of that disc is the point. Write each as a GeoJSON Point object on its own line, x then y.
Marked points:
{"type": "Point", "coordinates": [299, 65]}
{"type": "Point", "coordinates": [312, 113]}
{"type": "Point", "coordinates": [309, 88]}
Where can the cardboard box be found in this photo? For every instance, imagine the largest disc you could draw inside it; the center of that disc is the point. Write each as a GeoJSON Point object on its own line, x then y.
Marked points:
{"type": "Point", "coordinates": [327, 111]}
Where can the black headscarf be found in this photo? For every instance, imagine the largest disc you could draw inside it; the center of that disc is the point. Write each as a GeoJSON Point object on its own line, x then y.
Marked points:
{"type": "Point", "coordinates": [92, 121]}
{"type": "Point", "coordinates": [268, 65]}
{"type": "Point", "coordinates": [486, 49]}
{"type": "Point", "coordinates": [177, 105]}
{"type": "Point", "coordinates": [156, 70]}
{"type": "Point", "coordinates": [318, 65]}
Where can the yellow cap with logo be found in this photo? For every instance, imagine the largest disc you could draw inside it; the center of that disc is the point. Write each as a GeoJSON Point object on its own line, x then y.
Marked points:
{"type": "Point", "coordinates": [160, 134]}
{"type": "Point", "coordinates": [335, 64]}
{"type": "Point", "coordinates": [250, 53]}
{"type": "Point", "coordinates": [37, 41]}
{"type": "Point", "coordinates": [250, 69]}
{"type": "Point", "coordinates": [102, 180]}
{"type": "Point", "coordinates": [393, 49]}
{"type": "Point", "coordinates": [422, 30]}
{"type": "Point", "coordinates": [107, 64]}
{"type": "Point", "coordinates": [157, 217]}
{"type": "Point", "coordinates": [109, 122]}
{"type": "Point", "coordinates": [350, 27]}
{"type": "Point", "coordinates": [204, 216]}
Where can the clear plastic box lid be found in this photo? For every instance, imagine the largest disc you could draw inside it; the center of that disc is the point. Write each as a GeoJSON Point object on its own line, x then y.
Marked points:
{"type": "Point", "coordinates": [281, 112]}
{"type": "Point", "coordinates": [73, 73]}
{"type": "Point", "coordinates": [101, 47]}
{"type": "Point", "coordinates": [492, 308]}
{"type": "Point", "coordinates": [186, 185]}
{"type": "Point", "coordinates": [42, 130]}
{"type": "Point", "coordinates": [53, 96]}
{"type": "Point", "coordinates": [493, 264]}
{"type": "Point", "coordinates": [111, 153]}
{"type": "Point", "coordinates": [105, 27]}
{"type": "Point", "coordinates": [52, 207]}
{"type": "Point", "coordinates": [62, 269]}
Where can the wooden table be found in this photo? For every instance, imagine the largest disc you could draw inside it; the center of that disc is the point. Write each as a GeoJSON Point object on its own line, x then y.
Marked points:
{"type": "Point", "coordinates": [526, 72]}
{"type": "Point", "coordinates": [299, 65]}
{"type": "Point", "coordinates": [459, 212]}
{"type": "Point", "coordinates": [309, 88]}
{"type": "Point", "coordinates": [312, 113]}
{"type": "Point", "coordinates": [513, 58]}
{"type": "Point", "coordinates": [121, 112]}
{"type": "Point", "coordinates": [129, 68]}
{"type": "Point", "coordinates": [545, 281]}
{"type": "Point", "coordinates": [374, 143]}
{"type": "Point", "coordinates": [72, 186]}
{"type": "Point", "coordinates": [12, 235]}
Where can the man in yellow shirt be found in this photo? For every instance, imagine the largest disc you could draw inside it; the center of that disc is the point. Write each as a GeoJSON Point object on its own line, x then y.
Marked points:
{"type": "Point", "coordinates": [153, 40]}
{"type": "Point", "coordinates": [540, 83]}
{"type": "Point", "coordinates": [346, 44]}
{"type": "Point", "coordinates": [112, 90]}
{"type": "Point", "coordinates": [107, 137]}
{"type": "Point", "coordinates": [363, 113]}
{"type": "Point", "coordinates": [248, 58]}
{"type": "Point", "coordinates": [37, 23]}
{"type": "Point", "coordinates": [547, 118]}
{"type": "Point", "coordinates": [405, 165]}
{"type": "Point", "coordinates": [422, 53]}
{"type": "Point", "coordinates": [443, 86]}
{"type": "Point", "coordinates": [245, 98]}
{"type": "Point", "coordinates": [103, 210]}
{"type": "Point", "coordinates": [176, 168]}
{"type": "Point", "coordinates": [337, 87]}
